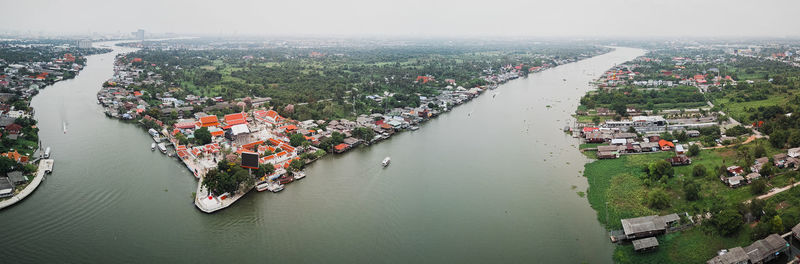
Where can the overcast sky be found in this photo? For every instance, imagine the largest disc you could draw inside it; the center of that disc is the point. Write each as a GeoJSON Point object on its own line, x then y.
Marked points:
{"type": "Point", "coordinates": [430, 18]}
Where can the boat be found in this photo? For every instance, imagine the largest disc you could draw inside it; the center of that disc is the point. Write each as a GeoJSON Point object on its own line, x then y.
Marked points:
{"type": "Point", "coordinates": [153, 146]}
{"type": "Point", "coordinates": [413, 128]}
{"type": "Point", "coordinates": [299, 175]}
{"type": "Point", "coordinates": [275, 187]}
{"type": "Point", "coordinates": [162, 148]}
{"type": "Point", "coordinates": [65, 127]}
{"type": "Point", "coordinates": [386, 161]}
{"type": "Point", "coordinates": [262, 186]}
{"type": "Point", "coordinates": [46, 154]}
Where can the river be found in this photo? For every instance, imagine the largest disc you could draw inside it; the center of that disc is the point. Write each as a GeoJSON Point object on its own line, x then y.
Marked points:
{"type": "Point", "coordinates": [491, 181]}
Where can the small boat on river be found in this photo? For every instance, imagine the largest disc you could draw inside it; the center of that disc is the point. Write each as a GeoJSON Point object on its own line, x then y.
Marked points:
{"type": "Point", "coordinates": [386, 161]}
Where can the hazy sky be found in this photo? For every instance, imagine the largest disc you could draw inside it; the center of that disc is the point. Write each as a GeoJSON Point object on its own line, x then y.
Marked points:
{"type": "Point", "coordinates": [596, 18]}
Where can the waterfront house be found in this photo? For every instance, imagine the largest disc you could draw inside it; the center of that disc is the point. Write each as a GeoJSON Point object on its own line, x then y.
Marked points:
{"type": "Point", "coordinates": [341, 148]}
{"type": "Point", "coordinates": [6, 187]}
{"type": "Point", "coordinates": [645, 244]}
{"type": "Point", "coordinates": [13, 129]}
{"type": "Point", "coordinates": [16, 177]}
{"type": "Point", "coordinates": [607, 155]}
{"type": "Point", "coordinates": [647, 226]}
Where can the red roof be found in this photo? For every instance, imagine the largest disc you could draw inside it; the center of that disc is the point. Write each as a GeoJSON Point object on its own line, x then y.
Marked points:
{"type": "Point", "coordinates": [208, 121]}
{"type": "Point", "coordinates": [663, 143]}
{"type": "Point", "coordinates": [589, 129]}
{"type": "Point", "coordinates": [340, 147]}
{"type": "Point", "coordinates": [236, 119]}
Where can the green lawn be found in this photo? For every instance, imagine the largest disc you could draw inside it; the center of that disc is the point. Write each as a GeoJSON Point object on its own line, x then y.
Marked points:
{"type": "Point", "coordinates": [739, 110]}
{"type": "Point", "coordinates": [620, 182]}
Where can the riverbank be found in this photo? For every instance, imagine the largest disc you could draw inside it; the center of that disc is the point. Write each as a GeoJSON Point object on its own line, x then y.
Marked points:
{"type": "Point", "coordinates": [249, 125]}
{"type": "Point", "coordinates": [22, 79]}
{"type": "Point", "coordinates": [623, 186]}
{"type": "Point", "coordinates": [45, 167]}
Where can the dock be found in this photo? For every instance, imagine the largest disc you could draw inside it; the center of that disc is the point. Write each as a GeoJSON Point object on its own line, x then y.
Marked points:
{"type": "Point", "coordinates": [209, 203]}
{"type": "Point", "coordinates": [45, 167]}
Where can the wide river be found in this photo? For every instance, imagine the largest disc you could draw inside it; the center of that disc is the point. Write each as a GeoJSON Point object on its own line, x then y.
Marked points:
{"type": "Point", "coordinates": [495, 180]}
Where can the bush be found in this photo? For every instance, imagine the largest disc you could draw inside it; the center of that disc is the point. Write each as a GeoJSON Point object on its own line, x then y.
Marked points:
{"type": "Point", "coordinates": [694, 149]}
{"type": "Point", "coordinates": [699, 171]}
{"type": "Point", "coordinates": [727, 221]}
{"type": "Point", "coordinates": [658, 199]}
{"type": "Point", "coordinates": [758, 187]}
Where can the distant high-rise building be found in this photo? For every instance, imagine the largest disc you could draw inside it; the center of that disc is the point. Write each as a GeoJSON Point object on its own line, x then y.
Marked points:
{"type": "Point", "coordinates": [139, 34]}
{"type": "Point", "coordinates": [84, 44]}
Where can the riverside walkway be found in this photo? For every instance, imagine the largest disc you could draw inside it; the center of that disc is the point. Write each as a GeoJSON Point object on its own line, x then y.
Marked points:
{"type": "Point", "coordinates": [45, 166]}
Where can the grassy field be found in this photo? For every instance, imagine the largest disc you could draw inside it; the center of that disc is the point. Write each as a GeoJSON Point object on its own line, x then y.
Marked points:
{"type": "Point", "coordinates": [740, 110]}
{"type": "Point", "coordinates": [617, 190]}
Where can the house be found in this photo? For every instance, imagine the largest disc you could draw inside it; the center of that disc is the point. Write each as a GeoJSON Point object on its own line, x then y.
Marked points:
{"type": "Point", "coordinates": [679, 149]}
{"type": "Point", "coordinates": [208, 121]}
{"type": "Point", "coordinates": [645, 244]}
{"type": "Point", "coordinates": [766, 249]}
{"type": "Point", "coordinates": [730, 256]}
{"type": "Point", "coordinates": [647, 226]}
{"type": "Point", "coordinates": [6, 187]}
{"type": "Point", "coordinates": [13, 129]}
{"type": "Point", "coordinates": [752, 177]}
{"type": "Point", "coordinates": [793, 152]}
{"type": "Point", "coordinates": [679, 160]}
{"type": "Point", "coordinates": [758, 164]}
{"type": "Point", "coordinates": [693, 133]}
{"type": "Point", "coordinates": [619, 141]}
{"type": "Point", "coordinates": [734, 181]}
{"type": "Point", "coordinates": [649, 146]}
{"type": "Point", "coordinates": [16, 177]}
{"type": "Point", "coordinates": [735, 170]}
{"type": "Point", "coordinates": [607, 155]}
{"type": "Point", "coordinates": [665, 145]}
{"type": "Point", "coordinates": [340, 148]}
{"type": "Point", "coordinates": [779, 159]}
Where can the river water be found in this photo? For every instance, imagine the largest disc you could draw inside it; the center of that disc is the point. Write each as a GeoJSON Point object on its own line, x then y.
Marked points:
{"type": "Point", "coordinates": [491, 181]}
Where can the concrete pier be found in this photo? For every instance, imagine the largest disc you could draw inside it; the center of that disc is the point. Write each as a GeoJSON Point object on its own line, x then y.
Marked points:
{"type": "Point", "coordinates": [45, 166]}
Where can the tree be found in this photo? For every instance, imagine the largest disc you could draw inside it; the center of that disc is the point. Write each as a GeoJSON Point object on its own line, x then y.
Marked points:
{"type": "Point", "coordinates": [202, 135]}
{"type": "Point", "coordinates": [659, 170]}
{"type": "Point", "coordinates": [265, 169]}
{"type": "Point", "coordinates": [296, 165]}
{"type": "Point", "coordinates": [694, 149]}
{"type": "Point", "coordinates": [692, 191]}
{"type": "Point", "coordinates": [658, 199]}
{"type": "Point", "coordinates": [794, 138]}
{"type": "Point", "coordinates": [758, 187]}
{"type": "Point", "coordinates": [727, 221]}
{"type": "Point", "coordinates": [776, 224]}
{"type": "Point", "coordinates": [296, 139]}
{"type": "Point", "coordinates": [768, 169]}
{"type": "Point", "coordinates": [759, 151]}
{"type": "Point", "coordinates": [7, 165]}
{"type": "Point", "coordinates": [182, 139]}
{"type": "Point", "coordinates": [699, 170]}
{"type": "Point", "coordinates": [681, 136]}
{"type": "Point", "coordinates": [620, 108]}
{"type": "Point", "coordinates": [756, 207]}
{"type": "Point", "coordinates": [778, 138]}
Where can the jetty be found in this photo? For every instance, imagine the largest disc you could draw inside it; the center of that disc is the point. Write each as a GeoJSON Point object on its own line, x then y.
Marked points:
{"type": "Point", "coordinates": [45, 167]}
